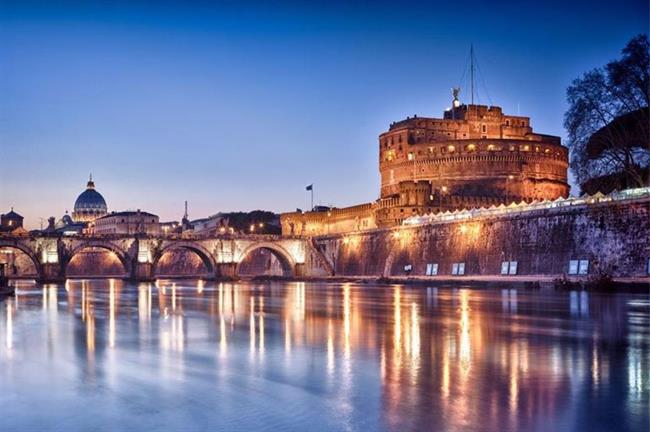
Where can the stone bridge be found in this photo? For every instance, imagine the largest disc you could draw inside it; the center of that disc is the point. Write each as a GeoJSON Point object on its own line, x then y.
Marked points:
{"type": "Point", "coordinates": [139, 255]}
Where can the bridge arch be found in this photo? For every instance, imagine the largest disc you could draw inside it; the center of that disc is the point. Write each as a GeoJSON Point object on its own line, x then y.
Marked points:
{"type": "Point", "coordinates": [122, 255]}
{"type": "Point", "coordinates": [27, 251]}
{"type": "Point", "coordinates": [287, 262]}
{"type": "Point", "coordinates": [206, 257]}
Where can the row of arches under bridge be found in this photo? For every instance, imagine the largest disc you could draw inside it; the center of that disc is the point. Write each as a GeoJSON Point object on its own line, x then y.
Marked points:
{"type": "Point", "coordinates": [177, 260]}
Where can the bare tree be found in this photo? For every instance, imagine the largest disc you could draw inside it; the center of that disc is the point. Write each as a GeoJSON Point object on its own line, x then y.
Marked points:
{"type": "Point", "coordinates": [607, 120]}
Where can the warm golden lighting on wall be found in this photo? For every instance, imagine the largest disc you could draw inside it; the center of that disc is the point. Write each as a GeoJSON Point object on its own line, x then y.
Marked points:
{"type": "Point", "coordinates": [470, 231]}
{"type": "Point", "coordinates": [471, 148]}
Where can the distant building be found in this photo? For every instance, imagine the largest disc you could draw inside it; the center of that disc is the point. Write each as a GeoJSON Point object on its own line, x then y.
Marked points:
{"type": "Point", "coordinates": [127, 222]}
{"type": "Point", "coordinates": [170, 227]}
{"type": "Point", "coordinates": [11, 222]}
{"type": "Point", "coordinates": [67, 226]}
{"type": "Point", "coordinates": [90, 204]}
{"type": "Point", "coordinates": [215, 224]}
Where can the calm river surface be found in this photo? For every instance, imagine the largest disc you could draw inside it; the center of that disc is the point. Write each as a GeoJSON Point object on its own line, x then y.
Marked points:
{"type": "Point", "coordinates": [193, 355]}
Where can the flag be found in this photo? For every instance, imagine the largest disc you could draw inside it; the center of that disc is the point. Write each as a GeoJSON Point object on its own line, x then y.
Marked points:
{"type": "Point", "coordinates": [310, 187]}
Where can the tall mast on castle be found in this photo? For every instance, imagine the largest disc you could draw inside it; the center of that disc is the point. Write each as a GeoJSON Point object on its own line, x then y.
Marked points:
{"type": "Point", "coordinates": [471, 70]}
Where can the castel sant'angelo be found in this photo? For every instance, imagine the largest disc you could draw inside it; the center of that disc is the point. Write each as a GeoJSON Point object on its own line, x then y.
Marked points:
{"type": "Point", "coordinates": [474, 156]}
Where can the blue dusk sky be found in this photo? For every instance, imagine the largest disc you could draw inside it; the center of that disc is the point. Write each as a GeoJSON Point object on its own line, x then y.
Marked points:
{"type": "Point", "coordinates": [236, 106]}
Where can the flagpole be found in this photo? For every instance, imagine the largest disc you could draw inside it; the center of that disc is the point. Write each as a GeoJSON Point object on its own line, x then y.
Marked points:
{"type": "Point", "coordinates": [312, 197]}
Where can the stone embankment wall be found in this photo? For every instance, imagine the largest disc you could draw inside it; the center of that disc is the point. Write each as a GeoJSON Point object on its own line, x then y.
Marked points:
{"type": "Point", "coordinates": [613, 237]}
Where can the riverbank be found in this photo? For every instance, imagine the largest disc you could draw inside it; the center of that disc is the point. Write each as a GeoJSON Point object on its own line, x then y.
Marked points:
{"type": "Point", "coordinates": [532, 282]}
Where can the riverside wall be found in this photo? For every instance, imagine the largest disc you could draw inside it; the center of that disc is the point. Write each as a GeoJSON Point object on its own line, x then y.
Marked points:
{"type": "Point", "coordinates": [612, 236]}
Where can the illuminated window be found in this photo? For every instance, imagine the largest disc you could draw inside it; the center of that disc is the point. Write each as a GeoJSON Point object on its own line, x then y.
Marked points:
{"type": "Point", "coordinates": [547, 150]}
{"type": "Point", "coordinates": [431, 150]}
{"type": "Point", "coordinates": [451, 148]}
{"type": "Point", "coordinates": [432, 269]}
{"type": "Point", "coordinates": [411, 156]}
{"type": "Point", "coordinates": [471, 148]}
{"type": "Point", "coordinates": [509, 268]}
{"type": "Point", "coordinates": [524, 148]}
{"type": "Point", "coordinates": [583, 267]}
{"type": "Point", "coordinates": [574, 266]}
{"type": "Point", "coordinates": [458, 269]}
{"type": "Point", "coordinates": [390, 155]}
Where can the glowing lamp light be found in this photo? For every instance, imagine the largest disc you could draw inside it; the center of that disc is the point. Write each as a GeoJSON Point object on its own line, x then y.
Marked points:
{"type": "Point", "coordinates": [444, 188]}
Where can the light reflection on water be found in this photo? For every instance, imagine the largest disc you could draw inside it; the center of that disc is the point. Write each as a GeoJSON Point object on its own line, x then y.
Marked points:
{"type": "Point", "coordinates": [172, 355]}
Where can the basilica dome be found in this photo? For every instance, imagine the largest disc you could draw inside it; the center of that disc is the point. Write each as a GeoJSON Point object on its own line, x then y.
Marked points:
{"type": "Point", "coordinates": [89, 205]}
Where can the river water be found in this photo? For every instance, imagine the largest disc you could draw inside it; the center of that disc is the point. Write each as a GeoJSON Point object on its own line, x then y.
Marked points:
{"type": "Point", "coordinates": [193, 355]}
